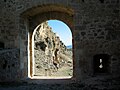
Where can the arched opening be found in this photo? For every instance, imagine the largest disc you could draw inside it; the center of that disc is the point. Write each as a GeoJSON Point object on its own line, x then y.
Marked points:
{"type": "Point", "coordinates": [34, 21]}
{"type": "Point", "coordinates": [52, 50]}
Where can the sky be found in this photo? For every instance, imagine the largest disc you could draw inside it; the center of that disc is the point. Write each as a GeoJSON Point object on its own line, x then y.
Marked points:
{"type": "Point", "coordinates": [62, 30]}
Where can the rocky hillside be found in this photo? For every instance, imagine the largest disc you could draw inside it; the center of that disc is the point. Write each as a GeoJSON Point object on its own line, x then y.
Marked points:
{"type": "Point", "coordinates": [50, 53]}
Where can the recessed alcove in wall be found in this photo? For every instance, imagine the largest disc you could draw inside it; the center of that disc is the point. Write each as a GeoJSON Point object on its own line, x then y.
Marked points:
{"type": "Point", "coordinates": [101, 63]}
{"type": "Point", "coordinates": [2, 46]}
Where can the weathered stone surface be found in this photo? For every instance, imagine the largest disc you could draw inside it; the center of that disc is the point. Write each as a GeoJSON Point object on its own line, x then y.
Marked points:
{"type": "Point", "coordinates": [50, 53]}
{"type": "Point", "coordinates": [9, 61]}
{"type": "Point", "coordinates": [99, 19]}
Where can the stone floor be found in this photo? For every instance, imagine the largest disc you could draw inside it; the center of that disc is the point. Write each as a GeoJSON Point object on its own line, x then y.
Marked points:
{"type": "Point", "coordinates": [95, 83]}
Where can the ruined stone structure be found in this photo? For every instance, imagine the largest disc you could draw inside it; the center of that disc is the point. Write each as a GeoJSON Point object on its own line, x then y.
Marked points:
{"type": "Point", "coordinates": [95, 27]}
{"type": "Point", "coordinates": [50, 53]}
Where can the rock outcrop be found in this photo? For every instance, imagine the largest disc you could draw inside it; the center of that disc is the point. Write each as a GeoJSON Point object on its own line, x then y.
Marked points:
{"type": "Point", "coordinates": [50, 53]}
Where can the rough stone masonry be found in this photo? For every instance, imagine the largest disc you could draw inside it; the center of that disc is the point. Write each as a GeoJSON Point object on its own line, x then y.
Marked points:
{"type": "Point", "coordinates": [95, 27]}
{"type": "Point", "coordinates": [50, 53]}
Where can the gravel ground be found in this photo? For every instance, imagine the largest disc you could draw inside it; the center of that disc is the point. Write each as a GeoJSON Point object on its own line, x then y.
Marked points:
{"type": "Point", "coordinates": [95, 83]}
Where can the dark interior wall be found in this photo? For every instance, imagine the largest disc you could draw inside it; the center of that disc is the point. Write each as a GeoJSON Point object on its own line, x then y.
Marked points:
{"type": "Point", "coordinates": [9, 65]}
{"type": "Point", "coordinates": [96, 30]}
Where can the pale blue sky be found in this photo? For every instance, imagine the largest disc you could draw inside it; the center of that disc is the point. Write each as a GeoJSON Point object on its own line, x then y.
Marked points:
{"type": "Point", "coordinates": [62, 30]}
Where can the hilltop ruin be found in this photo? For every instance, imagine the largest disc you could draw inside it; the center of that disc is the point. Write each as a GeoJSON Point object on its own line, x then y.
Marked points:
{"type": "Point", "coordinates": [50, 52]}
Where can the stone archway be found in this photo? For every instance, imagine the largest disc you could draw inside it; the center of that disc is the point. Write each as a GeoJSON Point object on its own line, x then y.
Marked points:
{"type": "Point", "coordinates": [40, 14]}
{"type": "Point", "coordinates": [51, 56]}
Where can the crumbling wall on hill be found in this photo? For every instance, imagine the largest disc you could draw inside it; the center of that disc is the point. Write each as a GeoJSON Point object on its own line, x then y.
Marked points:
{"type": "Point", "coordinates": [49, 51]}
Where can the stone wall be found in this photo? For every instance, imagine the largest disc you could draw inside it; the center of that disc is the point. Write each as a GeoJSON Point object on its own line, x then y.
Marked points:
{"type": "Point", "coordinates": [50, 53]}
{"type": "Point", "coordinates": [9, 65]}
{"type": "Point", "coordinates": [95, 26]}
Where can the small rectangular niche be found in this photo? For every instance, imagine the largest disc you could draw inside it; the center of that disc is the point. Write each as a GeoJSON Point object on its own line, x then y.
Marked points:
{"type": "Point", "coordinates": [102, 1]}
{"type": "Point", "coordinates": [101, 63]}
{"type": "Point", "coordinates": [2, 46]}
